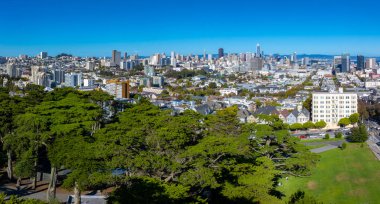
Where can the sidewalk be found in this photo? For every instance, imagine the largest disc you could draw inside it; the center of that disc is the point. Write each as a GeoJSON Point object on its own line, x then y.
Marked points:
{"type": "Point", "coordinates": [373, 146]}
{"type": "Point", "coordinates": [40, 193]}
{"type": "Point", "coordinates": [324, 149]}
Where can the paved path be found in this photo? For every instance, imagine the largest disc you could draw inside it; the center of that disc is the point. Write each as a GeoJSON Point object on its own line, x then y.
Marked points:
{"type": "Point", "coordinates": [373, 146]}
{"type": "Point", "coordinates": [40, 193]}
{"type": "Point", "coordinates": [324, 142]}
{"type": "Point", "coordinates": [324, 149]}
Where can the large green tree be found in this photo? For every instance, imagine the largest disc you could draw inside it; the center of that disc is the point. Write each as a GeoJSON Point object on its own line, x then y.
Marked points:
{"type": "Point", "coordinates": [320, 124]}
{"type": "Point", "coordinates": [358, 134]}
{"type": "Point", "coordinates": [191, 158]}
{"type": "Point", "coordinates": [354, 118]}
{"type": "Point", "coordinates": [344, 122]}
{"type": "Point", "coordinates": [10, 108]}
{"type": "Point", "coordinates": [65, 117]}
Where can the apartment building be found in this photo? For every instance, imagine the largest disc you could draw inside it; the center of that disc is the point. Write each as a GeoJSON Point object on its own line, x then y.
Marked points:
{"type": "Point", "coordinates": [333, 106]}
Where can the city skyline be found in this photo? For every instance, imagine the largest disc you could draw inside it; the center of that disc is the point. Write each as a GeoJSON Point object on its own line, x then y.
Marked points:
{"type": "Point", "coordinates": [92, 29]}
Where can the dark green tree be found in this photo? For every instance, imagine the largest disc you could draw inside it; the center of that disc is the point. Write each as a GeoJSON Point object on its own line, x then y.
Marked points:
{"type": "Point", "coordinates": [307, 103]}
{"type": "Point", "coordinates": [358, 134]}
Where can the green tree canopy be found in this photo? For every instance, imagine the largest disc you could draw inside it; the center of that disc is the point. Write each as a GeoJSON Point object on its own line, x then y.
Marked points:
{"type": "Point", "coordinates": [308, 125]}
{"type": "Point", "coordinates": [354, 118]}
{"type": "Point", "coordinates": [296, 126]}
{"type": "Point", "coordinates": [320, 124]}
{"type": "Point", "coordinates": [359, 134]}
{"type": "Point", "coordinates": [344, 122]}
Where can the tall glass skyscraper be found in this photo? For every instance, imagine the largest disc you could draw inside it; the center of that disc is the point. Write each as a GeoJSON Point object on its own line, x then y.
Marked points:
{"type": "Point", "coordinates": [360, 62]}
{"type": "Point", "coordinates": [345, 63]}
{"type": "Point", "coordinates": [220, 53]}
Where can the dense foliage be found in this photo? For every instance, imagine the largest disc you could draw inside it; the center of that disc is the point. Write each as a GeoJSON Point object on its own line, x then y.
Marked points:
{"type": "Point", "coordinates": [148, 155]}
{"type": "Point", "coordinates": [358, 134]}
{"type": "Point", "coordinates": [15, 200]}
{"type": "Point", "coordinates": [185, 73]}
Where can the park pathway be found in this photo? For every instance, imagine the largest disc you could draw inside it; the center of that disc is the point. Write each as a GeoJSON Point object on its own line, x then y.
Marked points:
{"type": "Point", "coordinates": [324, 149]}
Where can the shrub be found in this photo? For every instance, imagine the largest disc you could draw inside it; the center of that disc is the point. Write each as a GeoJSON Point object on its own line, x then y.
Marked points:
{"type": "Point", "coordinates": [327, 136]}
{"type": "Point", "coordinates": [344, 145]}
{"type": "Point", "coordinates": [339, 135]}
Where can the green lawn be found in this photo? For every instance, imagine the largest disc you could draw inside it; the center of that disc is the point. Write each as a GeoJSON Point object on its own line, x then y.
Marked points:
{"type": "Point", "coordinates": [348, 176]}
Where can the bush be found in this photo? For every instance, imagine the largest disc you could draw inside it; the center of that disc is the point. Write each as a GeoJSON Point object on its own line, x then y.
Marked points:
{"type": "Point", "coordinates": [339, 135]}
{"type": "Point", "coordinates": [344, 145]}
{"type": "Point", "coordinates": [327, 136]}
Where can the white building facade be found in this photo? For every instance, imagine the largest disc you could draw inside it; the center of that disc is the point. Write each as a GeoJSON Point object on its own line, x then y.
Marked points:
{"type": "Point", "coordinates": [333, 106]}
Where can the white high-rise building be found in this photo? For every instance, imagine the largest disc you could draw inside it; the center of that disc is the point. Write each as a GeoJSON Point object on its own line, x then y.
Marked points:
{"type": "Point", "coordinates": [210, 57]}
{"type": "Point", "coordinates": [333, 106]}
{"type": "Point", "coordinates": [173, 60]}
{"type": "Point", "coordinates": [73, 79]}
{"type": "Point", "coordinates": [370, 63]}
{"type": "Point", "coordinates": [90, 65]}
{"type": "Point", "coordinates": [88, 82]}
{"type": "Point", "coordinates": [293, 58]}
{"type": "Point", "coordinates": [11, 70]}
{"type": "Point", "coordinates": [35, 70]}
{"type": "Point", "coordinates": [43, 55]}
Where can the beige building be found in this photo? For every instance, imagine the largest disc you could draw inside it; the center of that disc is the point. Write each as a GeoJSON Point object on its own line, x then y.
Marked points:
{"type": "Point", "coordinates": [333, 106]}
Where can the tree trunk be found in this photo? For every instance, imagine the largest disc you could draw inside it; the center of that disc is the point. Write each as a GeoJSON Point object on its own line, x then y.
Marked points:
{"type": "Point", "coordinates": [52, 185]}
{"type": "Point", "coordinates": [18, 184]}
{"type": "Point", "coordinates": [9, 167]}
{"type": "Point", "coordinates": [34, 182]}
{"type": "Point", "coordinates": [41, 176]}
{"type": "Point", "coordinates": [34, 178]}
{"type": "Point", "coordinates": [77, 198]}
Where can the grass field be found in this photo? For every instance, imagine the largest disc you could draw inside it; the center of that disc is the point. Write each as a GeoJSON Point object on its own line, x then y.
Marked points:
{"type": "Point", "coordinates": [348, 176]}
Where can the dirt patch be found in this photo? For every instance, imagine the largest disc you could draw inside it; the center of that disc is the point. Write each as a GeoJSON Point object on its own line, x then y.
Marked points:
{"type": "Point", "coordinates": [312, 185]}
{"type": "Point", "coordinates": [357, 166]}
{"type": "Point", "coordinates": [360, 180]}
{"type": "Point", "coordinates": [358, 192]}
{"type": "Point", "coordinates": [342, 177]}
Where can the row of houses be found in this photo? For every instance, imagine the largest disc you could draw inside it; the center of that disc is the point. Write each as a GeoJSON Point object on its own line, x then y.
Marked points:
{"type": "Point", "coordinates": [298, 115]}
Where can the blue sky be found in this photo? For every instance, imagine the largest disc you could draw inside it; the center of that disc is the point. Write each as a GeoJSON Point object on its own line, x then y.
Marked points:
{"type": "Point", "coordinates": [95, 27]}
